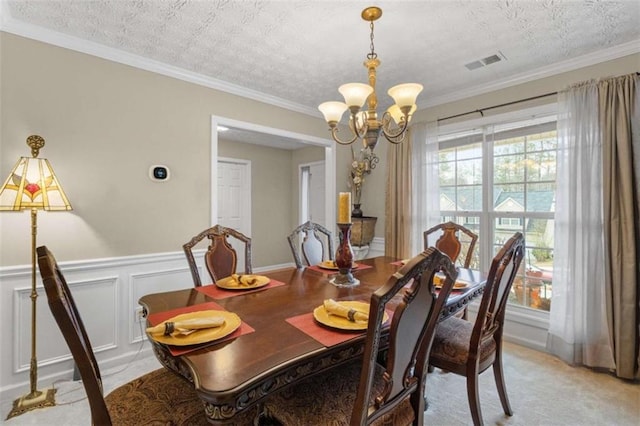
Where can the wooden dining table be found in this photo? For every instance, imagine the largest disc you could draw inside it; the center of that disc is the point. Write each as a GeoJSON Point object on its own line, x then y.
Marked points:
{"type": "Point", "coordinates": [278, 343]}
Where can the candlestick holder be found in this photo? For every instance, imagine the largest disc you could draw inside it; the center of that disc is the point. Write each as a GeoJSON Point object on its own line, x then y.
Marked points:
{"type": "Point", "coordinates": [344, 259]}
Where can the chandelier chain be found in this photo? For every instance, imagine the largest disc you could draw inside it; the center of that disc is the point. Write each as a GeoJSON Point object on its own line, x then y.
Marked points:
{"type": "Point", "coordinates": [373, 54]}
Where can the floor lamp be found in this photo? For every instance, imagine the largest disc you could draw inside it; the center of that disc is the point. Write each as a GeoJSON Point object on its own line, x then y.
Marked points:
{"type": "Point", "coordinates": [32, 185]}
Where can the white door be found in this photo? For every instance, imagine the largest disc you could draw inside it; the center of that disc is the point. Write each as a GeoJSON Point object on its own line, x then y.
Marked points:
{"type": "Point", "coordinates": [312, 192]}
{"type": "Point", "coordinates": [234, 198]}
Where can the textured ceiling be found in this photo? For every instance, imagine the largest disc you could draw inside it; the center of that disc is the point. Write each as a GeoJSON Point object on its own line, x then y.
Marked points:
{"type": "Point", "coordinates": [301, 51]}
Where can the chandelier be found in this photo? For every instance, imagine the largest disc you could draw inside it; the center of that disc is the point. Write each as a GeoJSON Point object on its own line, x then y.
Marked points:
{"type": "Point", "coordinates": [365, 125]}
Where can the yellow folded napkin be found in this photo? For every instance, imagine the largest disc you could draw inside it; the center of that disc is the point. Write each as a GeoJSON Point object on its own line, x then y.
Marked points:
{"type": "Point", "coordinates": [241, 280]}
{"type": "Point", "coordinates": [185, 327]}
{"type": "Point", "coordinates": [335, 308]}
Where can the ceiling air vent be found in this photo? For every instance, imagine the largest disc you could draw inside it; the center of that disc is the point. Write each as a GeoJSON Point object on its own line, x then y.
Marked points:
{"type": "Point", "coordinates": [492, 59]}
{"type": "Point", "coordinates": [473, 65]}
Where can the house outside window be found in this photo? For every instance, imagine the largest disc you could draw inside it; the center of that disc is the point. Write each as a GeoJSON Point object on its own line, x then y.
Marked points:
{"type": "Point", "coordinates": [500, 179]}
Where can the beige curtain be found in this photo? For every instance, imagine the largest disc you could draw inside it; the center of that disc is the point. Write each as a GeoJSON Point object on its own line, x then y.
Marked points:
{"type": "Point", "coordinates": [617, 97]}
{"type": "Point", "coordinates": [397, 233]}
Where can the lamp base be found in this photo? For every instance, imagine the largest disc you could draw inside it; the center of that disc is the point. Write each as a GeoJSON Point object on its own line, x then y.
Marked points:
{"type": "Point", "coordinates": [31, 401]}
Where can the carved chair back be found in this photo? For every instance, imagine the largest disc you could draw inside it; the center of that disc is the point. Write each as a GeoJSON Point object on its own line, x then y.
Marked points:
{"type": "Point", "coordinates": [411, 335]}
{"type": "Point", "coordinates": [450, 242]}
{"type": "Point", "coordinates": [502, 273]}
{"type": "Point", "coordinates": [310, 243]}
{"type": "Point", "coordinates": [221, 259]}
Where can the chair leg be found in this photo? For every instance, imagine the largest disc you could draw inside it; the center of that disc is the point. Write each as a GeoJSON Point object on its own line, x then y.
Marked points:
{"type": "Point", "coordinates": [474, 399]}
{"type": "Point", "coordinates": [498, 373]}
{"type": "Point", "coordinates": [419, 405]}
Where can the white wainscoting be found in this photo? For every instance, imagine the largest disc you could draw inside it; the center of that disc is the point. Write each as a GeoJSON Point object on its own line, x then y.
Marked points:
{"type": "Point", "coordinates": [107, 292]}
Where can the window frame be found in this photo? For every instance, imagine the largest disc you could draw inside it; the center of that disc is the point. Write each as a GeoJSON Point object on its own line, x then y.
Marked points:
{"type": "Point", "coordinates": [488, 216]}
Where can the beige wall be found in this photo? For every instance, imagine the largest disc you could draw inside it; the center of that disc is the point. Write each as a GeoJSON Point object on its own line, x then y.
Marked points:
{"type": "Point", "coordinates": [105, 124]}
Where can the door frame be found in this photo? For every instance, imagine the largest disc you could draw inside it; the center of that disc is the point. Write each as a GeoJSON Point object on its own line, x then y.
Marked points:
{"type": "Point", "coordinates": [329, 157]}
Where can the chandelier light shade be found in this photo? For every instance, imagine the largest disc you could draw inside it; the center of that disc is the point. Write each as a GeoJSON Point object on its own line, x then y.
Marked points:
{"type": "Point", "coordinates": [364, 124]}
{"type": "Point", "coordinates": [32, 185]}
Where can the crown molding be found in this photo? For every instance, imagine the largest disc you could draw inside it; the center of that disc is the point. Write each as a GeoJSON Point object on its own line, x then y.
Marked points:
{"type": "Point", "coordinates": [13, 26]}
{"type": "Point", "coordinates": [594, 58]}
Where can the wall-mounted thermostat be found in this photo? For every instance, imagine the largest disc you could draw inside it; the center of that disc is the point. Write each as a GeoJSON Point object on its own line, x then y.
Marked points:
{"type": "Point", "coordinates": [159, 173]}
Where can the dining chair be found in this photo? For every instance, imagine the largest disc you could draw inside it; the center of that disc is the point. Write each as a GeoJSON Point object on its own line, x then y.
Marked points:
{"type": "Point", "coordinates": [159, 396]}
{"type": "Point", "coordinates": [469, 348]}
{"type": "Point", "coordinates": [310, 243]}
{"type": "Point", "coordinates": [221, 259]}
{"type": "Point", "coordinates": [364, 392]}
{"type": "Point", "coordinates": [450, 242]}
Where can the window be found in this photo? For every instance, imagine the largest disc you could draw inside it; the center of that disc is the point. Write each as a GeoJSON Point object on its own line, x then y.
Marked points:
{"type": "Point", "coordinates": [500, 179]}
{"type": "Point", "coordinates": [509, 222]}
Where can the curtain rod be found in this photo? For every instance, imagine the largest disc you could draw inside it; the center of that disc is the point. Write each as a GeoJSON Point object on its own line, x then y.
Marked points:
{"type": "Point", "coordinates": [481, 110]}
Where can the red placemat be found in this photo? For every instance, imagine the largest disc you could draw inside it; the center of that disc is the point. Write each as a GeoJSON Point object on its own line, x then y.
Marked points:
{"type": "Point", "coordinates": [326, 336]}
{"type": "Point", "coordinates": [316, 268]}
{"type": "Point", "coordinates": [158, 317]}
{"type": "Point", "coordinates": [218, 293]}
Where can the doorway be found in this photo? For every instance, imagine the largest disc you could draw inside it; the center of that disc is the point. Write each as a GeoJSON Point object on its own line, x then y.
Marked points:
{"type": "Point", "coordinates": [329, 202]}
{"type": "Point", "coordinates": [312, 192]}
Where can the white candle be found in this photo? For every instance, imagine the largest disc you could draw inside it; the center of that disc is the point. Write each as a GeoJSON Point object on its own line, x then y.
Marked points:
{"type": "Point", "coordinates": [344, 207]}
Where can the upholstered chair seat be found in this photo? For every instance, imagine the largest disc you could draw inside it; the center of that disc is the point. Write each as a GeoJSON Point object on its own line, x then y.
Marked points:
{"type": "Point", "coordinates": [158, 397]}
{"type": "Point", "coordinates": [329, 399]}
{"type": "Point", "coordinates": [451, 343]}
